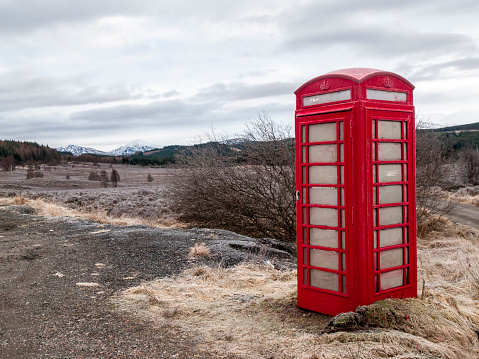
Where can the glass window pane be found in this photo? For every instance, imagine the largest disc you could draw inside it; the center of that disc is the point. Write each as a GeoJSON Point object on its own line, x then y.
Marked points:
{"type": "Point", "coordinates": [391, 237]}
{"type": "Point", "coordinates": [323, 237]}
{"type": "Point", "coordinates": [390, 173]}
{"type": "Point", "coordinates": [305, 276]}
{"type": "Point", "coordinates": [304, 155]}
{"type": "Point", "coordinates": [322, 153]}
{"type": "Point", "coordinates": [390, 215]}
{"type": "Point", "coordinates": [305, 256]}
{"type": "Point", "coordinates": [322, 132]}
{"type": "Point", "coordinates": [389, 130]}
{"type": "Point", "coordinates": [324, 280]}
{"type": "Point", "coordinates": [323, 217]}
{"type": "Point", "coordinates": [374, 128]}
{"type": "Point", "coordinates": [389, 151]}
{"type": "Point", "coordinates": [323, 195]}
{"type": "Point", "coordinates": [303, 134]}
{"type": "Point", "coordinates": [392, 279]}
{"type": "Point", "coordinates": [341, 171]}
{"type": "Point", "coordinates": [342, 196]}
{"type": "Point", "coordinates": [341, 152]}
{"type": "Point", "coordinates": [341, 136]}
{"type": "Point", "coordinates": [305, 218]}
{"type": "Point", "coordinates": [390, 194]}
{"type": "Point", "coordinates": [343, 283]}
{"type": "Point", "coordinates": [323, 174]}
{"type": "Point", "coordinates": [324, 259]}
{"type": "Point", "coordinates": [391, 258]}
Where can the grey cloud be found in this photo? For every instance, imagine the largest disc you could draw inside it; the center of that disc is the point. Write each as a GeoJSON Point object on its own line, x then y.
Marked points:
{"type": "Point", "coordinates": [458, 68]}
{"type": "Point", "coordinates": [20, 16]}
{"type": "Point", "coordinates": [19, 90]}
{"type": "Point", "coordinates": [157, 113]}
{"type": "Point", "coordinates": [242, 91]}
{"type": "Point", "coordinates": [381, 41]}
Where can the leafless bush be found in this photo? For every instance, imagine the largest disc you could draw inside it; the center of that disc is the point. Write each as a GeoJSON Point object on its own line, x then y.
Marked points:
{"type": "Point", "coordinates": [433, 172]}
{"type": "Point", "coordinates": [470, 166]}
{"type": "Point", "coordinates": [31, 173]}
{"type": "Point", "coordinates": [149, 178]}
{"type": "Point", "coordinates": [94, 176]}
{"type": "Point", "coordinates": [248, 189]}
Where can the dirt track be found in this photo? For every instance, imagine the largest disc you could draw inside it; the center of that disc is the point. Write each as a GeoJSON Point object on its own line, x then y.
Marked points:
{"type": "Point", "coordinates": [465, 214]}
{"type": "Point", "coordinates": [44, 313]}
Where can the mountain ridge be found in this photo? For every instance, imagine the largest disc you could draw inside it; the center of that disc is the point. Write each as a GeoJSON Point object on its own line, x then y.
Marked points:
{"type": "Point", "coordinates": [125, 150]}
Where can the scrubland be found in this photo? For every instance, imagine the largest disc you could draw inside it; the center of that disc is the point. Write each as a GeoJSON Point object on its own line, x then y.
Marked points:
{"type": "Point", "coordinates": [249, 310]}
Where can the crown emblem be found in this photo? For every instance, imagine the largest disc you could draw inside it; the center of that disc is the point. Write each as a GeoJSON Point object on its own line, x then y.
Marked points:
{"type": "Point", "coordinates": [388, 82]}
{"type": "Point", "coordinates": [325, 85]}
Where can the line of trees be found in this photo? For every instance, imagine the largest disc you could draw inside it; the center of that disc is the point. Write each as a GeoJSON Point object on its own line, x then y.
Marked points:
{"type": "Point", "coordinates": [27, 152]}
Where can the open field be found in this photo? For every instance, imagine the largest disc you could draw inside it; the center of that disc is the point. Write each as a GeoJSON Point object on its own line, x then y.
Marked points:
{"type": "Point", "coordinates": [133, 201]}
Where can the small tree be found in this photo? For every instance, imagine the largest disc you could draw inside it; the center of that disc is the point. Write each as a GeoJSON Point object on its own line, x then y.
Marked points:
{"type": "Point", "coordinates": [149, 178]}
{"type": "Point", "coordinates": [104, 178]}
{"type": "Point", "coordinates": [114, 177]}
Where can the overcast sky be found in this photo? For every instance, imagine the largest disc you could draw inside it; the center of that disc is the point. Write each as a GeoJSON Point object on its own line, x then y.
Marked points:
{"type": "Point", "coordinates": [102, 73]}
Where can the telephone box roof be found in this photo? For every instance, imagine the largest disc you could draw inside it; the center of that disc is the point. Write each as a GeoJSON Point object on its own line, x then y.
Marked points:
{"type": "Point", "coordinates": [357, 74]}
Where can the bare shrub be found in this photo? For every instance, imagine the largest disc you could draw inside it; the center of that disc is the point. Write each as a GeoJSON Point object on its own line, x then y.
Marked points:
{"type": "Point", "coordinates": [149, 178]}
{"type": "Point", "coordinates": [433, 172]}
{"type": "Point", "coordinates": [247, 189]}
{"type": "Point", "coordinates": [470, 166]}
{"type": "Point", "coordinates": [32, 173]}
{"type": "Point", "coordinates": [94, 176]}
{"type": "Point", "coordinates": [114, 178]}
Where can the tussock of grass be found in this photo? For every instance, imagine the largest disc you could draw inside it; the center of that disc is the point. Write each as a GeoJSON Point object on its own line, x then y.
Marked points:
{"type": "Point", "coordinates": [251, 310]}
{"type": "Point", "coordinates": [52, 209]}
{"type": "Point", "coordinates": [199, 250]}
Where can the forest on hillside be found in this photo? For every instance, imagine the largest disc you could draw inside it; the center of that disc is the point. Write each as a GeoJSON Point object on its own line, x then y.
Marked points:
{"type": "Point", "coordinates": [22, 152]}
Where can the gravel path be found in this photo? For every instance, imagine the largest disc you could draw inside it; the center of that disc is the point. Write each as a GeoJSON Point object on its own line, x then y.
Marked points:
{"type": "Point", "coordinates": [58, 275]}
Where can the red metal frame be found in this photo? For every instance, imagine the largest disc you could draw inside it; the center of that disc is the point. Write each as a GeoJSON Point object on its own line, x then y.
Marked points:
{"type": "Point", "coordinates": [359, 280]}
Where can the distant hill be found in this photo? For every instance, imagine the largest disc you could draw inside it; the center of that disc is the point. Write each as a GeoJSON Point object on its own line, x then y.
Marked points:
{"type": "Point", "coordinates": [459, 137]}
{"type": "Point", "coordinates": [468, 127]}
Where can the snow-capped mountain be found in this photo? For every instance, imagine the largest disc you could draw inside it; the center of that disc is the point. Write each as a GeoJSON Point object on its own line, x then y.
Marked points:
{"type": "Point", "coordinates": [132, 147]}
{"type": "Point", "coordinates": [128, 149]}
{"type": "Point", "coordinates": [78, 150]}
{"type": "Point", "coordinates": [462, 117]}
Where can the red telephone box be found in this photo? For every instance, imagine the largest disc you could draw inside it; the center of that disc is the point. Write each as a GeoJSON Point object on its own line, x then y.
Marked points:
{"type": "Point", "coordinates": [356, 190]}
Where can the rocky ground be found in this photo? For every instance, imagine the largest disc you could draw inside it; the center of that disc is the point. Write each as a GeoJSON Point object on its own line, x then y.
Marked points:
{"type": "Point", "coordinates": [57, 276]}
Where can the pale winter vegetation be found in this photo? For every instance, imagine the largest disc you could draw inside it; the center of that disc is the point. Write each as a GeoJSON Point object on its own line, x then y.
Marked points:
{"type": "Point", "coordinates": [441, 323]}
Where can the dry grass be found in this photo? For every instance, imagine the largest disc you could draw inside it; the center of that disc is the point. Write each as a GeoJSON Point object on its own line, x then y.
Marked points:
{"type": "Point", "coordinates": [251, 311]}
{"type": "Point", "coordinates": [52, 209]}
{"type": "Point", "coordinates": [467, 195]}
{"type": "Point", "coordinates": [199, 250]}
